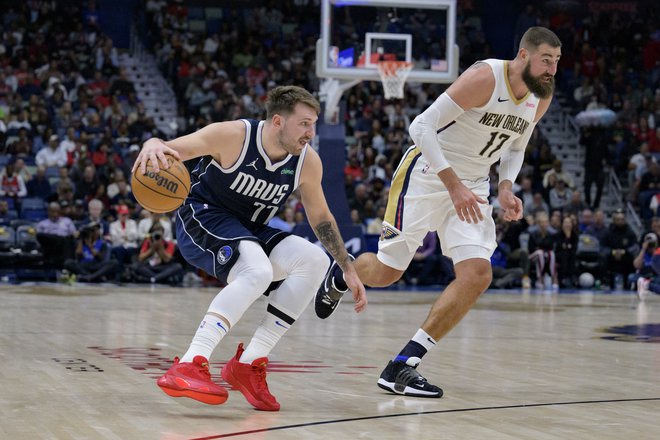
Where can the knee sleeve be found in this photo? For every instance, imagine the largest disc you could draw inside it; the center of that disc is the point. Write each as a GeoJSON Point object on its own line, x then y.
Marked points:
{"type": "Point", "coordinates": [252, 266]}
{"type": "Point", "coordinates": [302, 265]}
{"type": "Point", "coordinates": [248, 279]}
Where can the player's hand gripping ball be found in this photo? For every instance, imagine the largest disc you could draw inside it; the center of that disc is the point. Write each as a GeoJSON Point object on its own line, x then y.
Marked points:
{"type": "Point", "coordinates": [163, 191]}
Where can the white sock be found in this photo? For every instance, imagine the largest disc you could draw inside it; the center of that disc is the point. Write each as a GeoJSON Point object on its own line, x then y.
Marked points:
{"type": "Point", "coordinates": [210, 332]}
{"type": "Point", "coordinates": [267, 335]}
{"type": "Point", "coordinates": [424, 339]}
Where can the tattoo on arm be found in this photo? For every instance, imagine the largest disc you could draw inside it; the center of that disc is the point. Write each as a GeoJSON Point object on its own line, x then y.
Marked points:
{"type": "Point", "coordinates": [328, 234]}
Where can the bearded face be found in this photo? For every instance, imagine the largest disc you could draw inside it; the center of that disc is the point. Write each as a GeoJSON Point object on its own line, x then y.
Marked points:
{"type": "Point", "coordinates": [297, 129]}
{"type": "Point", "coordinates": [291, 139]}
{"type": "Point", "coordinates": [543, 86]}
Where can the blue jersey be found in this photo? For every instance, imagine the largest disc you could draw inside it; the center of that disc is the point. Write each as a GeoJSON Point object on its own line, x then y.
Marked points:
{"type": "Point", "coordinates": [253, 188]}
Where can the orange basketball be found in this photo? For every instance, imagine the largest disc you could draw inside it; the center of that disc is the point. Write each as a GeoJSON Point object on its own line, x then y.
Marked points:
{"type": "Point", "coordinates": [163, 191]}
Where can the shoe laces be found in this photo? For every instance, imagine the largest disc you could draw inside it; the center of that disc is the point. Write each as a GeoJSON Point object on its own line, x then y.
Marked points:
{"type": "Point", "coordinates": [409, 375]}
{"type": "Point", "coordinates": [203, 369]}
{"type": "Point", "coordinates": [260, 375]}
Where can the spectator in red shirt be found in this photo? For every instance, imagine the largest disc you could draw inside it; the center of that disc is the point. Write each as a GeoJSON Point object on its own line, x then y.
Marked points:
{"type": "Point", "coordinates": [11, 184]}
{"type": "Point", "coordinates": [100, 156]}
{"type": "Point", "coordinates": [654, 142]}
{"type": "Point", "coordinates": [588, 62]}
{"type": "Point", "coordinates": [354, 169]}
{"type": "Point", "coordinates": [156, 258]}
{"type": "Point", "coordinates": [642, 131]}
{"type": "Point", "coordinates": [99, 84]}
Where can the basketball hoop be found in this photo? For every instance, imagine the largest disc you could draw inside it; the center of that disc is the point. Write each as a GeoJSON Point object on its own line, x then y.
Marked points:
{"type": "Point", "coordinates": [393, 75]}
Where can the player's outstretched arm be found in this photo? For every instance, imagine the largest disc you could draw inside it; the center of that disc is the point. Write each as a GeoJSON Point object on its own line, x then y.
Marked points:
{"type": "Point", "coordinates": [209, 140]}
{"type": "Point", "coordinates": [325, 226]}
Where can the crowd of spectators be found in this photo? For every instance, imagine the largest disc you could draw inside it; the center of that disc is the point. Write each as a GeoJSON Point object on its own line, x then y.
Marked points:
{"type": "Point", "coordinates": [71, 126]}
{"type": "Point", "coordinates": [600, 69]}
{"type": "Point", "coordinates": [226, 72]}
{"type": "Point", "coordinates": [73, 129]}
{"type": "Point", "coordinates": [614, 68]}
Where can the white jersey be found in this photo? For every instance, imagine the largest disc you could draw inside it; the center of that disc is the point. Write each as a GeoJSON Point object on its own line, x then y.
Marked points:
{"type": "Point", "coordinates": [476, 139]}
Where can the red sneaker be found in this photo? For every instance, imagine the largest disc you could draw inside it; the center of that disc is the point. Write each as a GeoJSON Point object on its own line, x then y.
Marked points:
{"type": "Point", "coordinates": [192, 379]}
{"type": "Point", "coordinates": [250, 379]}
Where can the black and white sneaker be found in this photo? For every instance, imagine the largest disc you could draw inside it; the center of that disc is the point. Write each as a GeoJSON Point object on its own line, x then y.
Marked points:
{"type": "Point", "coordinates": [328, 296]}
{"type": "Point", "coordinates": [402, 378]}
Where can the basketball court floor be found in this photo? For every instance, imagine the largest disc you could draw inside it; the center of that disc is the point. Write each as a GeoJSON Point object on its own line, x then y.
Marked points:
{"type": "Point", "coordinates": [80, 362]}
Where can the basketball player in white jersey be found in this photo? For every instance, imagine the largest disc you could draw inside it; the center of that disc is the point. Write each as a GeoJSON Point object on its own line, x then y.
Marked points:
{"type": "Point", "coordinates": [487, 115]}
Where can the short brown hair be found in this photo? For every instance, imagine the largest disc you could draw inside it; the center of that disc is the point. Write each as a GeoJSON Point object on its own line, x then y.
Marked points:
{"type": "Point", "coordinates": [282, 100]}
{"type": "Point", "coordinates": [536, 36]}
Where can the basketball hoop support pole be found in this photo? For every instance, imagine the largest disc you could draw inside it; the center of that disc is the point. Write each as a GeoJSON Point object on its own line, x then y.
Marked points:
{"type": "Point", "coordinates": [330, 92]}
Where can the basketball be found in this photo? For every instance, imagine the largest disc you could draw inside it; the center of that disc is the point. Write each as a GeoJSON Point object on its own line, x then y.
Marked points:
{"type": "Point", "coordinates": [586, 280]}
{"type": "Point", "coordinates": [163, 191]}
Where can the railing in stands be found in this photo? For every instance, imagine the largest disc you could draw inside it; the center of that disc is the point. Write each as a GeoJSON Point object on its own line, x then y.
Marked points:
{"type": "Point", "coordinates": [566, 121]}
{"type": "Point", "coordinates": [139, 52]}
{"type": "Point", "coordinates": [136, 45]}
{"type": "Point", "coordinates": [614, 188]}
{"type": "Point", "coordinates": [570, 125]}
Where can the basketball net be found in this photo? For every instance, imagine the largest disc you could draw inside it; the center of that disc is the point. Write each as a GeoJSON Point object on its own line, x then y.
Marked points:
{"type": "Point", "coordinates": [393, 75]}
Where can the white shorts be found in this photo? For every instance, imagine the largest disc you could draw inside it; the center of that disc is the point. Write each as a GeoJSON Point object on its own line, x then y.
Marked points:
{"type": "Point", "coordinates": [418, 203]}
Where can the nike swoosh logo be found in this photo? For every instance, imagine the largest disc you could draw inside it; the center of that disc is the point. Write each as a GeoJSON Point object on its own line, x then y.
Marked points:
{"type": "Point", "coordinates": [431, 341]}
{"type": "Point", "coordinates": [501, 100]}
{"type": "Point", "coordinates": [280, 324]}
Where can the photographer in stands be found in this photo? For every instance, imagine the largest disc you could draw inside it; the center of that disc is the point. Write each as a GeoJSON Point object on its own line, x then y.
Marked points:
{"type": "Point", "coordinates": [156, 258]}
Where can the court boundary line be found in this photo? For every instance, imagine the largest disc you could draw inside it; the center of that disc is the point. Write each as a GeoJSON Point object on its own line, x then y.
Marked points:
{"type": "Point", "coordinates": [419, 413]}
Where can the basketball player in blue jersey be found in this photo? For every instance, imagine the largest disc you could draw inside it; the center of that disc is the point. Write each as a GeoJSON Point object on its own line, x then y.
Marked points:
{"type": "Point", "coordinates": [246, 172]}
{"type": "Point", "coordinates": [487, 114]}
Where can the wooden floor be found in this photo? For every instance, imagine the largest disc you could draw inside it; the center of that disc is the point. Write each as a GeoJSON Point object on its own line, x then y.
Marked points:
{"type": "Point", "coordinates": [79, 362]}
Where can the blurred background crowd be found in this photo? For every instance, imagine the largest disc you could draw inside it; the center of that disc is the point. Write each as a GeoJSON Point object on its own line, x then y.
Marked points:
{"type": "Point", "coordinates": [72, 124]}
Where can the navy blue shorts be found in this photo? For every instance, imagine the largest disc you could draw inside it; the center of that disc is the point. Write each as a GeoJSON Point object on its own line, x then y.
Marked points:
{"type": "Point", "coordinates": [208, 237]}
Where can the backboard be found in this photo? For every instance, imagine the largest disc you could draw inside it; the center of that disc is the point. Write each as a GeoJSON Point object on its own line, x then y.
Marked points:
{"type": "Point", "coordinates": [356, 34]}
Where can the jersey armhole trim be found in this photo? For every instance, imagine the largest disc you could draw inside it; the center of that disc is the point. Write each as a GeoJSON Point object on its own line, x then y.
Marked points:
{"type": "Point", "coordinates": [492, 98]}
{"type": "Point", "coordinates": [239, 161]}
{"type": "Point", "coordinates": [301, 163]}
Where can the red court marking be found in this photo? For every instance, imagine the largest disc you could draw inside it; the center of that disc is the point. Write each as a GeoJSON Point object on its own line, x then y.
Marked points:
{"type": "Point", "coordinates": [276, 365]}
{"type": "Point", "coordinates": [151, 362]}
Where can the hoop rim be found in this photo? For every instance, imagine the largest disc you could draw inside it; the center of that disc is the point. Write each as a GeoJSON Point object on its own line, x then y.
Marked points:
{"type": "Point", "coordinates": [389, 68]}
{"type": "Point", "coordinates": [393, 76]}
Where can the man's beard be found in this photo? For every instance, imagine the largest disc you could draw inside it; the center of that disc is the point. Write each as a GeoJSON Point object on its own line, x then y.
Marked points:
{"type": "Point", "coordinates": [286, 144]}
{"type": "Point", "coordinates": [541, 89]}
